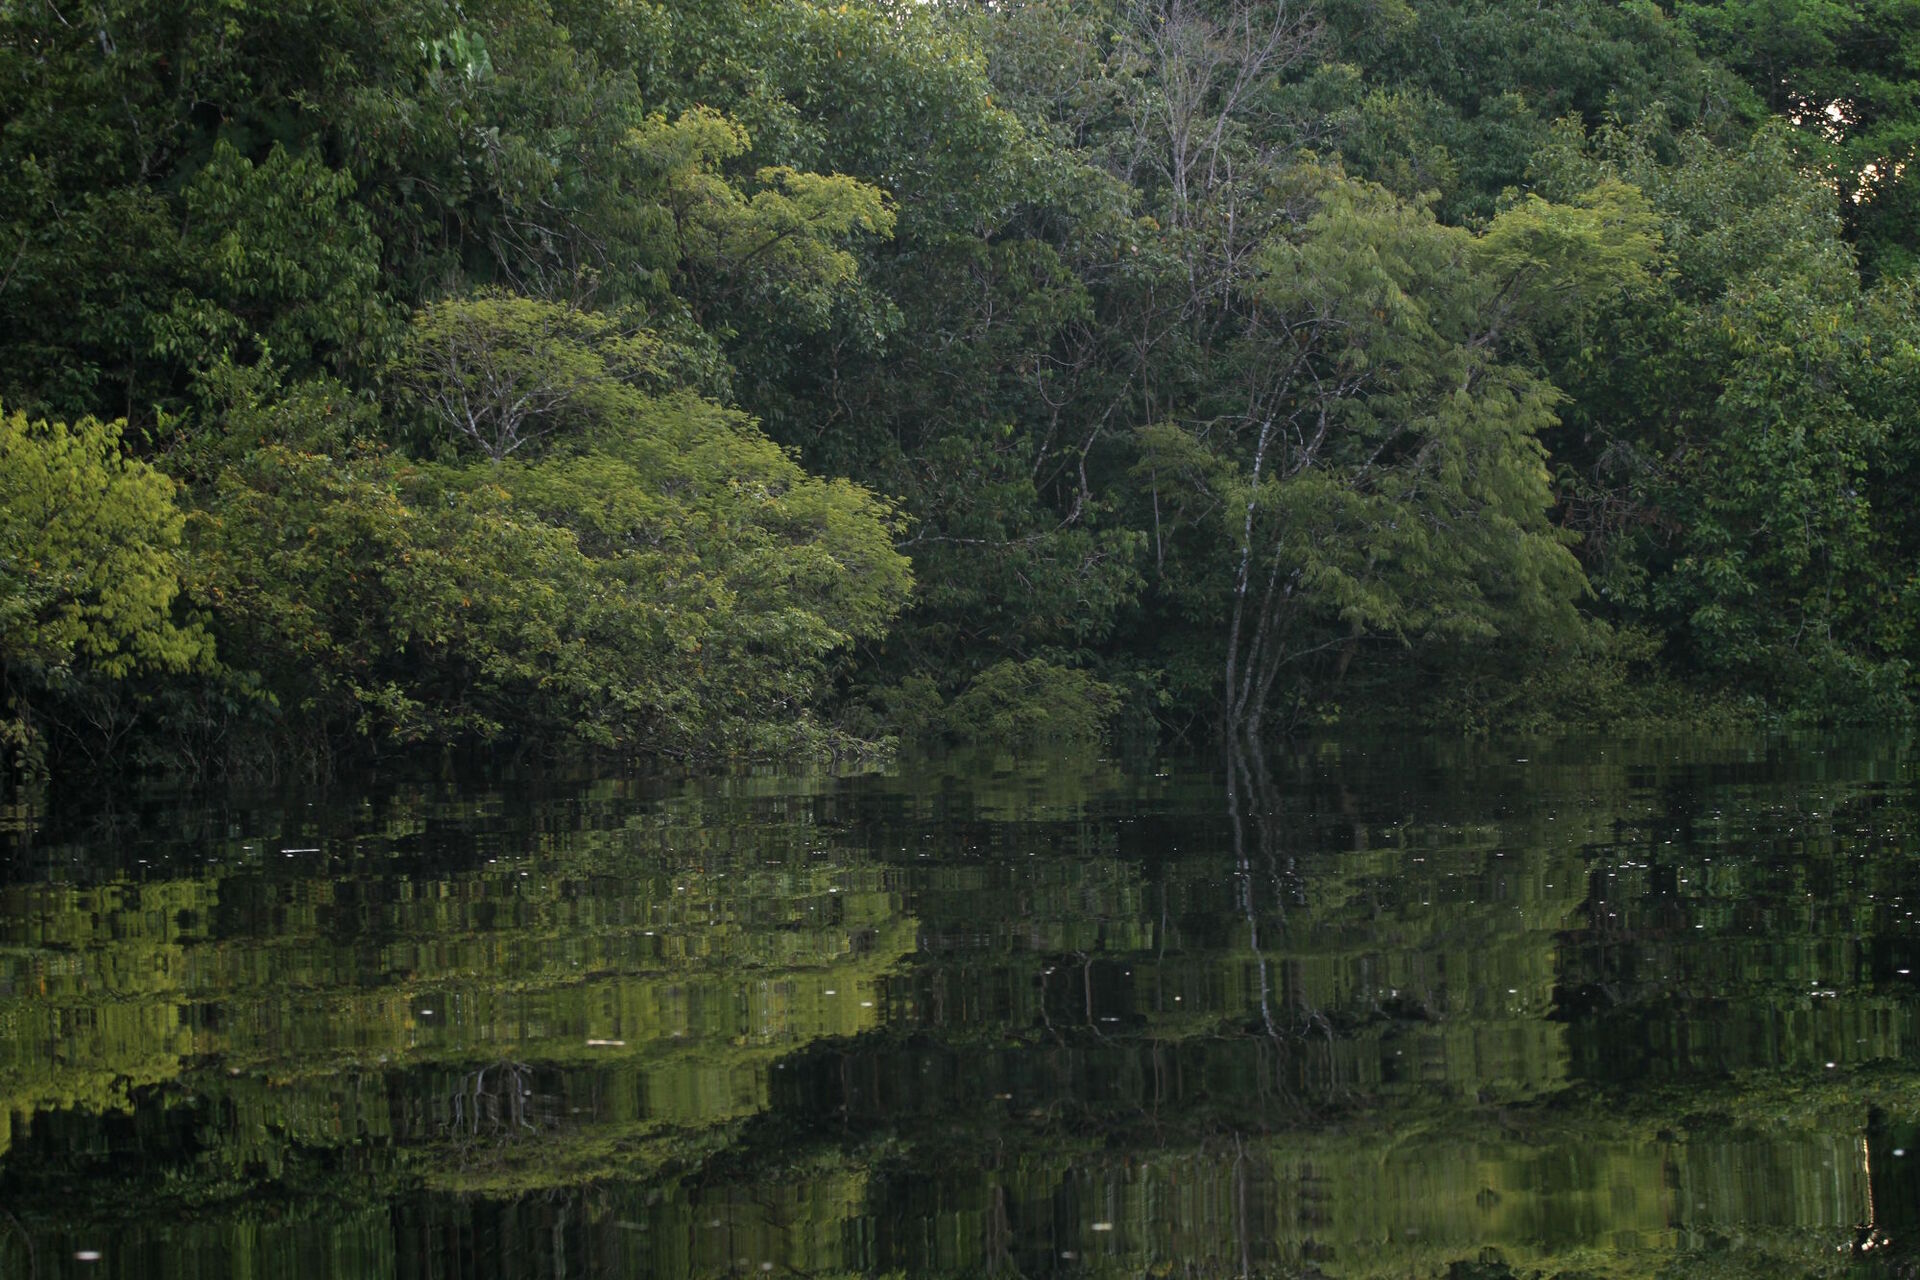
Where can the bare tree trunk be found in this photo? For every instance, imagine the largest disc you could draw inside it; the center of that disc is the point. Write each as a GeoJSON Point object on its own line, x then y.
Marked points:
{"type": "Point", "coordinates": [1199, 129]}
{"type": "Point", "coordinates": [1235, 708]}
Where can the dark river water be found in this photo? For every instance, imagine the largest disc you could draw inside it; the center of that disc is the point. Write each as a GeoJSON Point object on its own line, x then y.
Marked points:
{"type": "Point", "coordinates": [1595, 1009]}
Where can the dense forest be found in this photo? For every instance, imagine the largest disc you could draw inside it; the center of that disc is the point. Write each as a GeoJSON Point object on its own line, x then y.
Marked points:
{"type": "Point", "coordinates": [714, 376]}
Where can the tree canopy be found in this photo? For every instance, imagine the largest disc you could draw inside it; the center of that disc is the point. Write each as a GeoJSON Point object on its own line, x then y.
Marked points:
{"type": "Point", "coordinates": [709, 377]}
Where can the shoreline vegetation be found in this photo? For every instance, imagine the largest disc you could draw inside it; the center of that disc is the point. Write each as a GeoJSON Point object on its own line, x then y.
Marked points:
{"type": "Point", "coordinates": [766, 378]}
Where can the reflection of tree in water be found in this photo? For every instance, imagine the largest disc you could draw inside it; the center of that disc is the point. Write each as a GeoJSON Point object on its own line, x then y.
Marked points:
{"type": "Point", "coordinates": [1321, 1020]}
{"type": "Point", "coordinates": [1263, 863]}
{"type": "Point", "coordinates": [494, 1101]}
{"type": "Point", "coordinates": [997, 1233]}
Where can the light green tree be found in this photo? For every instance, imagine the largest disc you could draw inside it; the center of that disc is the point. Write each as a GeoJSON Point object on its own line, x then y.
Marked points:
{"type": "Point", "coordinates": [1379, 471]}
{"type": "Point", "coordinates": [89, 563]}
{"type": "Point", "coordinates": [89, 570]}
{"type": "Point", "coordinates": [600, 554]}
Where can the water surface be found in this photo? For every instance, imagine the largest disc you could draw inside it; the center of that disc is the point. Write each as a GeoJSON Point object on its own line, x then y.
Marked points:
{"type": "Point", "coordinates": [1350, 1009]}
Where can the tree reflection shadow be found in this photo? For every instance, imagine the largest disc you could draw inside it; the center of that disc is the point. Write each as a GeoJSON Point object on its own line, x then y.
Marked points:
{"type": "Point", "coordinates": [493, 1102]}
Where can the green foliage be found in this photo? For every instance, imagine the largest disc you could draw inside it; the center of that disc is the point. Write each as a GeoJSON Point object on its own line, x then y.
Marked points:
{"type": "Point", "coordinates": [1022, 705]}
{"type": "Point", "coordinates": [1384, 475]}
{"type": "Point", "coordinates": [210, 205]}
{"type": "Point", "coordinates": [275, 258]}
{"type": "Point", "coordinates": [1554, 263]}
{"type": "Point", "coordinates": [500, 372]}
{"type": "Point", "coordinates": [1244, 356]}
{"type": "Point", "coordinates": [1458, 96]}
{"type": "Point", "coordinates": [1846, 74]}
{"type": "Point", "coordinates": [89, 556]}
{"type": "Point", "coordinates": [765, 256]}
{"type": "Point", "coordinates": [661, 578]}
{"type": "Point", "coordinates": [1609, 680]}
{"type": "Point", "coordinates": [91, 576]}
{"type": "Point", "coordinates": [1755, 427]}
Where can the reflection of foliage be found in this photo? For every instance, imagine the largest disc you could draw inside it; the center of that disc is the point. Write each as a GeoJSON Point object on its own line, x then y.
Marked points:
{"type": "Point", "coordinates": [667, 1006]}
{"type": "Point", "coordinates": [482, 1108]}
{"type": "Point", "coordinates": [642, 1002]}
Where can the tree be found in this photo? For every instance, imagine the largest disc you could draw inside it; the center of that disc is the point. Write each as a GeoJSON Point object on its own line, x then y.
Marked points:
{"type": "Point", "coordinates": [90, 570]}
{"type": "Point", "coordinates": [501, 372]}
{"type": "Point", "coordinates": [766, 255]}
{"type": "Point", "coordinates": [1846, 74]}
{"type": "Point", "coordinates": [1738, 437]}
{"type": "Point", "coordinates": [89, 555]}
{"type": "Point", "coordinates": [656, 575]}
{"type": "Point", "coordinates": [1375, 468]}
